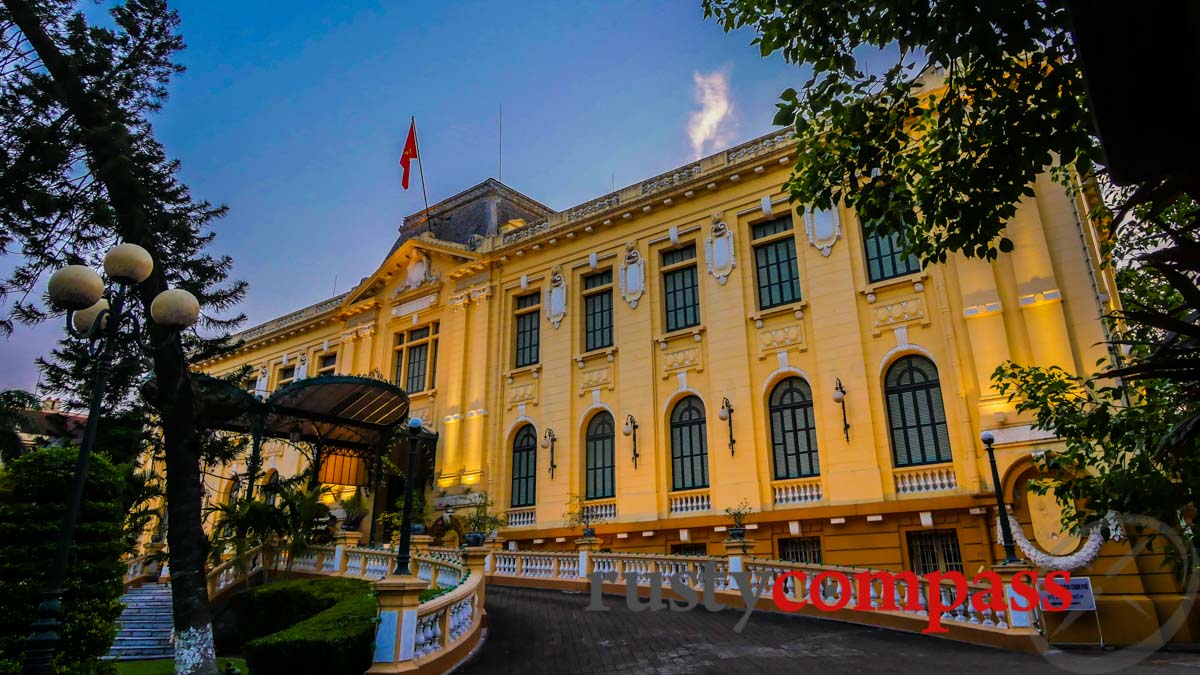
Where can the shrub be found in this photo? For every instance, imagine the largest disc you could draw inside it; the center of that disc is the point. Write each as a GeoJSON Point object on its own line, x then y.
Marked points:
{"type": "Point", "coordinates": [33, 499]}
{"type": "Point", "coordinates": [261, 611]}
{"type": "Point", "coordinates": [307, 625]}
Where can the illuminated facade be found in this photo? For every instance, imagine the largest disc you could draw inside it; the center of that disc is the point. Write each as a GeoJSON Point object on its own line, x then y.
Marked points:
{"type": "Point", "coordinates": [746, 349]}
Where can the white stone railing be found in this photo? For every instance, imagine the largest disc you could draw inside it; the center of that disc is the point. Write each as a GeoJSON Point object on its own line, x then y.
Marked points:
{"type": "Point", "coordinates": [922, 479]}
{"type": "Point", "coordinates": [522, 517]}
{"type": "Point", "coordinates": [764, 573]}
{"type": "Point", "coordinates": [601, 509]}
{"type": "Point", "coordinates": [691, 501]}
{"type": "Point", "coordinates": [797, 491]}
{"type": "Point", "coordinates": [571, 570]}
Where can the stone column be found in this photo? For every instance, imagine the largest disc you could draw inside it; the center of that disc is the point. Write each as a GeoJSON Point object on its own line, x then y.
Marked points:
{"type": "Point", "coordinates": [475, 559]}
{"type": "Point", "coordinates": [419, 544]}
{"type": "Point", "coordinates": [738, 547]}
{"type": "Point", "coordinates": [396, 637]}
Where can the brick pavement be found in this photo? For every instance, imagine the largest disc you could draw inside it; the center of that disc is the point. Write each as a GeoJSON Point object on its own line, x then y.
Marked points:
{"type": "Point", "coordinates": [541, 631]}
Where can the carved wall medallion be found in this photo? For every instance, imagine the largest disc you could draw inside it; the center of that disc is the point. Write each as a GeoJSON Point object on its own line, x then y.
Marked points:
{"type": "Point", "coordinates": [719, 248]}
{"type": "Point", "coordinates": [633, 276]}
{"type": "Point", "coordinates": [823, 229]}
{"type": "Point", "coordinates": [771, 340]}
{"type": "Point", "coordinates": [594, 379]}
{"type": "Point", "coordinates": [260, 384]}
{"type": "Point", "coordinates": [556, 297]}
{"type": "Point", "coordinates": [302, 369]}
{"type": "Point", "coordinates": [904, 311]}
{"type": "Point", "coordinates": [419, 271]}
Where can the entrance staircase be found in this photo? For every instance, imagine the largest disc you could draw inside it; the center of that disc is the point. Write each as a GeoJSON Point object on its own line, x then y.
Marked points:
{"type": "Point", "coordinates": [146, 624]}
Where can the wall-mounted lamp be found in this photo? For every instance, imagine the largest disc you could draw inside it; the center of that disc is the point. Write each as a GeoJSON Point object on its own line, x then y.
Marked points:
{"type": "Point", "coordinates": [548, 440]}
{"type": "Point", "coordinates": [839, 396]}
{"type": "Point", "coordinates": [631, 427]}
{"type": "Point", "coordinates": [726, 415]}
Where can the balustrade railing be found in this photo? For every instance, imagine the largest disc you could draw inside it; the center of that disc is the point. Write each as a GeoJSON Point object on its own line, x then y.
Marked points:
{"type": "Point", "coordinates": [797, 491]}
{"type": "Point", "coordinates": [922, 479]}
{"type": "Point", "coordinates": [601, 510]}
{"type": "Point", "coordinates": [692, 501]}
{"type": "Point", "coordinates": [910, 613]}
{"type": "Point", "coordinates": [521, 517]}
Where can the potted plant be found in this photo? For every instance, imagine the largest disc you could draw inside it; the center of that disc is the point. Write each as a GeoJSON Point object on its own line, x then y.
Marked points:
{"type": "Point", "coordinates": [354, 509]}
{"type": "Point", "coordinates": [479, 521]}
{"type": "Point", "coordinates": [393, 519]}
{"type": "Point", "coordinates": [578, 515]}
{"type": "Point", "coordinates": [738, 514]}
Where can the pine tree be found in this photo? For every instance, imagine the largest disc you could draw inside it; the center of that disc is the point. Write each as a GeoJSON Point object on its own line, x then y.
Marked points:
{"type": "Point", "coordinates": [80, 170]}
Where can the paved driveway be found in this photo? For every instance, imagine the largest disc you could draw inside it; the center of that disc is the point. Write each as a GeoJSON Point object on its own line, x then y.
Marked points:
{"type": "Point", "coordinates": [539, 631]}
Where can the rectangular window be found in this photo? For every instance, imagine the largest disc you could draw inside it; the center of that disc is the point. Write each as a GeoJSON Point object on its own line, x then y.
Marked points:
{"type": "Point", "coordinates": [415, 358]}
{"type": "Point", "coordinates": [327, 364]}
{"type": "Point", "coordinates": [680, 293]}
{"type": "Point", "coordinates": [528, 327]}
{"type": "Point", "coordinates": [886, 258]}
{"type": "Point", "coordinates": [801, 550]}
{"type": "Point", "coordinates": [775, 263]}
{"type": "Point", "coordinates": [934, 551]}
{"type": "Point", "coordinates": [286, 375]}
{"type": "Point", "coordinates": [597, 311]}
{"type": "Point", "coordinates": [689, 549]}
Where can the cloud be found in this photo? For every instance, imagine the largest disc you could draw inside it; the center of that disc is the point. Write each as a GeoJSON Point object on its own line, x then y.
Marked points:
{"type": "Point", "coordinates": [713, 124]}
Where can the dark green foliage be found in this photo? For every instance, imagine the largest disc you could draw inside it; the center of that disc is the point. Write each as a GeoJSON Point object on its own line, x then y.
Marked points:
{"type": "Point", "coordinates": [307, 626]}
{"type": "Point", "coordinates": [14, 405]}
{"type": "Point", "coordinates": [32, 503]}
{"type": "Point", "coordinates": [946, 171]}
{"type": "Point", "coordinates": [1131, 445]}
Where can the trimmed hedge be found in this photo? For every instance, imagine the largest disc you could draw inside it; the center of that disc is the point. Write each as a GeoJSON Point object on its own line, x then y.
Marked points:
{"type": "Point", "coordinates": [331, 631]}
{"type": "Point", "coordinates": [33, 495]}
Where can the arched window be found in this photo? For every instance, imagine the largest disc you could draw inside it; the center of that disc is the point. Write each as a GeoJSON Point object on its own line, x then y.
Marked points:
{"type": "Point", "coordinates": [915, 413]}
{"type": "Point", "coordinates": [598, 446]}
{"type": "Point", "coordinates": [524, 467]}
{"type": "Point", "coordinates": [271, 489]}
{"type": "Point", "coordinates": [793, 430]}
{"type": "Point", "coordinates": [235, 490]}
{"type": "Point", "coordinates": [689, 445]}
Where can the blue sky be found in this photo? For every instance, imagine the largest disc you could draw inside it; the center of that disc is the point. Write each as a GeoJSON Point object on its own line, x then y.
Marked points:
{"type": "Point", "coordinates": [294, 115]}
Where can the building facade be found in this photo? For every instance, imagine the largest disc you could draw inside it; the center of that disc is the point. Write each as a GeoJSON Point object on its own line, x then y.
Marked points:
{"type": "Point", "coordinates": [668, 350]}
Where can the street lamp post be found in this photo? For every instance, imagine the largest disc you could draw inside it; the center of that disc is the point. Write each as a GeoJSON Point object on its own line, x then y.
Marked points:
{"type": "Point", "coordinates": [416, 433]}
{"type": "Point", "coordinates": [79, 290]}
{"type": "Point", "coordinates": [1010, 550]}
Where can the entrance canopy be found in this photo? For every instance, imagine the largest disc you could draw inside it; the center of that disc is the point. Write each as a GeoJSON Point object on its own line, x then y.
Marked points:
{"type": "Point", "coordinates": [348, 420]}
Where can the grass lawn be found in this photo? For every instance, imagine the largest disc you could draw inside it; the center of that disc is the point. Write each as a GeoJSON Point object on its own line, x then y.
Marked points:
{"type": "Point", "coordinates": [167, 666]}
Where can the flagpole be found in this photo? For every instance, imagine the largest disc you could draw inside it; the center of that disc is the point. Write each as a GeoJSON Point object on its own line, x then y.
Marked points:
{"type": "Point", "coordinates": [421, 168]}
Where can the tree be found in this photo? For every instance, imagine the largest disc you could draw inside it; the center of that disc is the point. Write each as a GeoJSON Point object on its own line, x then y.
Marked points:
{"type": "Point", "coordinates": [15, 405]}
{"type": "Point", "coordinates": [79, 170]}
{"type": "Point", "coordinates": [304, 517]}
{"type": "Point", "coordinates": [32, 503]}
{"type": "Point", "coordinates": [1128, 446]}
{"type": "Point", "coordinates": [939, 147]}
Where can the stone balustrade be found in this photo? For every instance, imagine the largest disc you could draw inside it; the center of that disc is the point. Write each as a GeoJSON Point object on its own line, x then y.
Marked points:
{"type": "Point", "coordinates": [642, 571]}
{"type": "Point", "coordinates": [691, 501]}
{"type": "Point", "coordinates": [601, 509]}
{"type": "Point", "coordinates": [797, 491]}
{"type": "Point", "coordinates": [924, 479]}
{"type": "Point", "coordinates": [522, 517]}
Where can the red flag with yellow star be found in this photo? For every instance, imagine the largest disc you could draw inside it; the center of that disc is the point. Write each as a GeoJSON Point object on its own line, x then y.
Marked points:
{"type": "Point", "coordinates": [410, 152]}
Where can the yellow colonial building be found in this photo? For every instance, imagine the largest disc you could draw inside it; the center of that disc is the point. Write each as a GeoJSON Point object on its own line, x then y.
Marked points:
{"type": "Point", "coordinates": [691, 341]}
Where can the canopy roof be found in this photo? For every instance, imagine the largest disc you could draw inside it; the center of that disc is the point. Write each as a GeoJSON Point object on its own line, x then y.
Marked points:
{"type": "Point", "coordinates": [341, 414]}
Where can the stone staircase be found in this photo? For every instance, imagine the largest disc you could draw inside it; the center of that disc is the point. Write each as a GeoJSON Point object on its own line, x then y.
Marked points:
{"type": "Point", "coordinates": [146, 624]}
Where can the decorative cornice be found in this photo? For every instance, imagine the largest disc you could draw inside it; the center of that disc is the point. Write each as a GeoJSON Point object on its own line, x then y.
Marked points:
{"type": "Point", "coordinates": [643, 196]}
